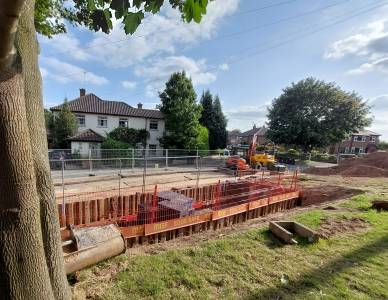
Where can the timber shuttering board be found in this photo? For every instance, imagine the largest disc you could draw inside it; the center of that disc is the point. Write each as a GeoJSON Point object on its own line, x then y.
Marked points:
{"type": "Point", "coordinates": [111, 210]}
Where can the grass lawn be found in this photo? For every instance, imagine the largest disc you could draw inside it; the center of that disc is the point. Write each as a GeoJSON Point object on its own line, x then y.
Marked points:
{"type": "Point", "coordinates": [254, 265]}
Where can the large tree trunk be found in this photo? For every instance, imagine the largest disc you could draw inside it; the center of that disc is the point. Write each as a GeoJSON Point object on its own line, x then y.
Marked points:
{"type": "Point", "coordinates": [31, 261]}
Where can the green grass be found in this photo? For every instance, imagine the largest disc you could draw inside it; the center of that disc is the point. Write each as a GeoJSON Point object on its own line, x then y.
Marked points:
{"type": "Point", "coordinates": [250, 265]}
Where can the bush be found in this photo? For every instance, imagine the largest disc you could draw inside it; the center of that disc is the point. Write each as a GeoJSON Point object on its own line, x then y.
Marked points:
{"type": "Point", "coordinates": [110, 143]}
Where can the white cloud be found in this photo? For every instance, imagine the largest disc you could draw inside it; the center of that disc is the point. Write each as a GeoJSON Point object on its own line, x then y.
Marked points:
{"type": "Point", "coordinates": [65, 72]}
{"type": "Point", "coordinates": [130, 85]}
{"type": "Point", "coordinates": [361, 43]}
{"type": "Point", "coordinates": [224, 67]}
{"type": "Point", "coordinates": [160, 69]}
{"type": "Point", "coordinates": [380, 112]}
{"type": "Point", "coordinates": [376, 65]}
{"type": "Point", "coordinates": [161, 33]}
{"type": "Point", "coordinates": [67, 44]}
{"type": "Point", "coordinates": [43, 72]}
{"type": "Point", "coordinates": [243, 117]}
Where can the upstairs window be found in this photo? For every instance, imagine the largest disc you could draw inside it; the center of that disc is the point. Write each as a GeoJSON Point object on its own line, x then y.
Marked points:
{"type": "Point", "coordinates": [154, 125]}
{"type": "Point", "coordinates": [123, 122]}
{"type": "Point", "coordinates": [80, 120]}
{"type": "Point", "coordinates": [373, 139]}
{"type": "Point", "coordinates": [102, 121]}
{"type": "Point", "coordinates": [363, 138]}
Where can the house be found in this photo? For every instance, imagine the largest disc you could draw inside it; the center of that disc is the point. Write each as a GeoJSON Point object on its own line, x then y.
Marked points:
{"type": "Point", "coordinates": [364, 141]}
{"type": "Point", "coordinates": [246, 137]}
{"type": "Point", "coordinates": [97, 117]}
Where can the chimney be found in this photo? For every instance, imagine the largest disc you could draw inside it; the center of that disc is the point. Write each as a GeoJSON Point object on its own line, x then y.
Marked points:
{"type": "Point", "coordinates": [82, 92]}
{"type": "Point", "coordinates": [140, 105]}
{"type": "Point", "coordinates": [254, 126]}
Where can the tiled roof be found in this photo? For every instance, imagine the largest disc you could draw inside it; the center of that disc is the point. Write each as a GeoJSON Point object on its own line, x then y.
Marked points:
{"type": "Point", "coordinates": [92, 104]}
{"type": "Point", "coordinates": [260, 131]}
{"type": "Point", "coordinates": [87, 136]}
{"type": "Point", "coordinates": [366, 132]}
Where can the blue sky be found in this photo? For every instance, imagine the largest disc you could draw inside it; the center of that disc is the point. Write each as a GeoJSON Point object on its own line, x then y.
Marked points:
{"type": "Point", "coordinates": [246, 51]}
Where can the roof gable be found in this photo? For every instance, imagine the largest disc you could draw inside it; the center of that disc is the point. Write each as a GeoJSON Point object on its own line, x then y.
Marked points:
{"type": "Point", "coordinates": [92, 104]}
{"type": "Point", "coordinates": [87, 135]}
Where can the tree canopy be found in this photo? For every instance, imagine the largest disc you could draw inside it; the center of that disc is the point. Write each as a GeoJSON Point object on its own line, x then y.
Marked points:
{"type": "Point", "coordinates": [181, 113]}
{"type": "Point", "coordinates": [65, 126]}
{"type": "Point", "coordinates": [314, 114]}
{"type": "Point", "coordinates": [214, 120]}
{"type": "Point", "coordinates": [124, 138]}
{"type": "Point", "coordinates": [50, 15]}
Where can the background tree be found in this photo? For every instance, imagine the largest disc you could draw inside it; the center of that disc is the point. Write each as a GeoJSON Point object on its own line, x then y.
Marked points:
{"type": "Point", "coordinates": [126, 138]}
{"type": "Point", "coordinates": [181, 113]}
{"type": "Point", "coordinates": [220, 134]}
{"type": "Point", "coordinates": [65, 126]}
{"type": "Point", "coordinates": [48, 119]}
{"type": "Point", "coordinates": [214, 120]}
{"type": "Point", "coordinates": [314, 114]}
{"type": "Point", "coordinates": [31, 259]}
{"type": "Point", "coordinates": [203, 138]}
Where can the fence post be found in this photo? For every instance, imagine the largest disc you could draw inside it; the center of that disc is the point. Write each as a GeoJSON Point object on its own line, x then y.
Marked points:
{"type": "Point", "coordinates": [120, 178]}
{"type": "Point", "coordinates": [196, 159]}
{"type": "Point", "coordinates": [63, 192]}
{"type": "Point", "coordinates": [133, 160]}
{"type": "Point", "coordinates": [90, 163]}
{"type": "Point", "coordinates": [166, 159]}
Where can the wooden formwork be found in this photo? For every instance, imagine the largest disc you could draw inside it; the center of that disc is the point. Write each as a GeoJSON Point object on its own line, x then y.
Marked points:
{"type": "Point", "coordinates": [221, 205]}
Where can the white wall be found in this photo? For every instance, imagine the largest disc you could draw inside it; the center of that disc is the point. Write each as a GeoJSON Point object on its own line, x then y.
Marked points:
{"type": "Point", "coordinates": [113, 122]}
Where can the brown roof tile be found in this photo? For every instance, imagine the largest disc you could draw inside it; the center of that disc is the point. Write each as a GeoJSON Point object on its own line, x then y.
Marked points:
{"type": "Point", "coordinates": [87, 136]}
{"type": "Point", "coordinates": [92, 104]}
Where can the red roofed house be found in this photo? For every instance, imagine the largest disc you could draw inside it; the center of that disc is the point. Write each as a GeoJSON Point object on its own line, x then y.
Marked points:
{"type": "Point", "coordinates": [364, 141]}
{"type": "Point", "coordinates": [97, 117]}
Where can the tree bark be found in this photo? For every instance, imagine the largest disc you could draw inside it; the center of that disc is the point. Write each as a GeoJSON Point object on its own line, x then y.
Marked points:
{"type": "Point", "coordinates": [31, 260]}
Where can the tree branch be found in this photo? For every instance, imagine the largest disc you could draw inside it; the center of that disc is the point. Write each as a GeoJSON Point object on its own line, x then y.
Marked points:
{"type": "Point", "coordinates": [10, 11]}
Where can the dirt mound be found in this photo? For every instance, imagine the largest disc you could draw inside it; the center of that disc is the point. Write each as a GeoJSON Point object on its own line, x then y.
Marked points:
{"type": "Point", "coordinates": [323, 193]}
{"type": "Point", "coordinates": [330, 226]}
{"type": "Point", "coordinates": [370, 165]}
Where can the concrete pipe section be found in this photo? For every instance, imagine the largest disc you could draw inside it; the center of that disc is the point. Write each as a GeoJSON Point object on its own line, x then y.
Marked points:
{"type": "Point", "coordinates": [89, 245]}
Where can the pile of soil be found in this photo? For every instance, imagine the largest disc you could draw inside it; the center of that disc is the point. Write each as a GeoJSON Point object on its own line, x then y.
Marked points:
{"type": "Point", "coordinates": [331, 226]}
{"type": "Point", "coordinates": [323, 193]}
{"type": "Point", "coordinates": [370, 165]}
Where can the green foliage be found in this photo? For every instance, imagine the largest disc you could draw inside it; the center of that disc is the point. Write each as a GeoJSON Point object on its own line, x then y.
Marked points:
{"type": "Point", "coordinates": [382, 145]}
{"type": "Point", "coordinates": [181, 113]}
{"type": "Point", "coordinates": [214, 120]}
{"type": "Point", "coordinates": [50, 15]}
{"type": "Point", "coordinates": [110, 143]}
{"type": "Point", "coordinates": [49, 119]}
{"type": "Point", "coordinates": [65, 126]}
{"type": "Point", "coordinates": [203, 138]}
{"type": "Point", "coordinates": [314, 114]}
{"type": "Point", "coordinates": [220, 135]}
{"type": "Point", "coordinates": [129, 136]}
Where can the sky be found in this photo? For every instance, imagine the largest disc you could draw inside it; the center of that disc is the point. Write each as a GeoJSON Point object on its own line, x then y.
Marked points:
{"type": "Point", "coordinates": [244, 51]}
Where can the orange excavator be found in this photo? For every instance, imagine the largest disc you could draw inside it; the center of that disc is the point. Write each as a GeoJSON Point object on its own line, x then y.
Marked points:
{"type": "Point", "coordinates": [255, 160]}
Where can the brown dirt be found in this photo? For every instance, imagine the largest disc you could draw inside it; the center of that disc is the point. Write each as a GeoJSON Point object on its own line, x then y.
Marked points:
{"type": "Point", "coordinates": [331, 226]}
{"type": "Point", "coordinates": [323, 193]}
{"type": "Point", "coordinates": [370, 165]}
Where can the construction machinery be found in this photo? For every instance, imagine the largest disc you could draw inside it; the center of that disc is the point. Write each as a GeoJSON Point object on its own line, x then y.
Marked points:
{"type": "Point", "coordinates": [246, 157]}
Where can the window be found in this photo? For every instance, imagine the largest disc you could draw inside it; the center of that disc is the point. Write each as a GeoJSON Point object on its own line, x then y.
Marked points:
{"type": "Point", "coordinates": [80, 120]}
{"type": "Point", "coordinates": [355, 138]}
{"type": "Point", "coordinates": [346, 149]}
{"type": "Point", "coordinates": [153, 125]}
{"type": "Point", "coordinates": [373, 139]}
{"type": "Point", "coordinates": [363, 138]}
{"type": "Point", "coordinates": [361, 150]}
{"type": "Point", "coordinates": [353, 149]}
{"type": "Point", "coordinates": [102, 122]}
{"type": "Point", "coordinates": [123, 122]}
